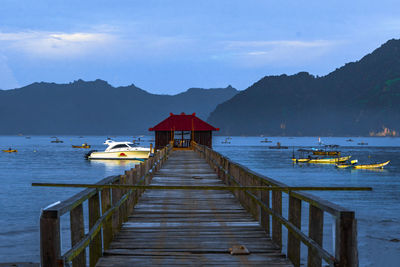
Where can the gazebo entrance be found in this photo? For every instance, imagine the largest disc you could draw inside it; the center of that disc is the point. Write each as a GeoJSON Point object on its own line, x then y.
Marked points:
{"type": "Point", "coordinates": [181, 130]}
{"type": "Point", "coordinates": [182, 139]}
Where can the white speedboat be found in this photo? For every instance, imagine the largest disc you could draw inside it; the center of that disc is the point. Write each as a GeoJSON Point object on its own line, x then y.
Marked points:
{"type": "Point", "coordinates": [120, 151]}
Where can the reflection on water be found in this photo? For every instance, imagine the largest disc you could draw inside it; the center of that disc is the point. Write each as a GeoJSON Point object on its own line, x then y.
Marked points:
{"type": "Point", "coordinates": [114, 164]}
{"type": "Point", "coordinates": [377, 211]}
{"type": "Point", "coordinates": [368, 170]}
{"type": "Point", "coordinates": [38, 160]}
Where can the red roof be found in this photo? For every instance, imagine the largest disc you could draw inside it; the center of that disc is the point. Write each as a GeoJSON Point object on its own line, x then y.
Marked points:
{"type": "Point", "coordinates": [183, 122]}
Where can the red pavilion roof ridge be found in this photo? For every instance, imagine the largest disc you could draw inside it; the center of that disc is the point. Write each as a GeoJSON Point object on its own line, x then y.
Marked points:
{"type": "Point", "coordinates": [183, 122]}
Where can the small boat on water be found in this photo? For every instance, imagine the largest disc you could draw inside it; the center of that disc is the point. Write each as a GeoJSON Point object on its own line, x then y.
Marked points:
{"type": "Point", "coordinates": [226, 141]}
{"type": "Point", "coordinates": [353, 164]}
{"type": "Point", "coordinates": [321, 160]}
{"type": "Point", "coordinates": [362, 143]}
{"type": "Point", "coordinates": [120, 151]}
{"type": "Point", "coordinates": [84, 145]}
{"type": "Point", "coordinates": [278, 146]}
{"type": "Point", "coordinates": [56, 141]}
{"type": "Point", "coordinates": [371, 166]}
{"type": "Point", "coordinates": [326, 153]}
{"type": "Point", "coordinates": [349, 140]}
{"type": "Point", "coordinates": [266, 141]}
{"type": "Point", "coordinates": [10, 150]}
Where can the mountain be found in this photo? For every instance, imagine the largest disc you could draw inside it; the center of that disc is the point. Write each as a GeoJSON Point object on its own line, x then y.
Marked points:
{"type": "Point", "coordinates": [356, 99]}
{"type": "Point", "coordinates": [96, 107]}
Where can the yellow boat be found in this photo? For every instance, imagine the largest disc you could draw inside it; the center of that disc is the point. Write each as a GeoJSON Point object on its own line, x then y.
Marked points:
{"type": "Point", "coordinates": [326, 153]}
{"type": "Point", "coordinates": [82, 146]}
{"type": "Point", "coordinates": [371, 166]}
{"type": "Point", "coordinates": [10, 150]}
{"type": "Point", "coordinates": [300, 160]}
{"type": "Point", "coordinates": [343, 166]}
{"type": "Point", "coordinates": [330, 160]}
{"type": "Point", "coordinates": [322, 161]}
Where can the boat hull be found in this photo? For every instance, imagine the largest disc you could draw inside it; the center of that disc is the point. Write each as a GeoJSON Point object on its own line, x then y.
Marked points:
{"type": "Point", "coordinates": [88, 146]}
{"type": "Point", "coordinates": [300, 160]}
{"type": "Point", "coordinates": [343, 166]}
{"type": "Point", "coordinates": [330, 160]}
{"type": "Point", "coordinates": [372, 166]}
{"type": "Point", "coordinates": [10, 151]}
{"type": "Point", "coordinates": [120, 155]}
{"type": "Point", "coordinates": [322, 161]}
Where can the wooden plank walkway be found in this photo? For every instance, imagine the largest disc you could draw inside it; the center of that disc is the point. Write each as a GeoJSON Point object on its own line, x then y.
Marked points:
{"type": "Point", "coordinates": [187, 227]}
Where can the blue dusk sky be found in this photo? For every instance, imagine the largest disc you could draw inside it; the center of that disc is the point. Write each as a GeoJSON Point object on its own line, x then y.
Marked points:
{"type": "Point", "coordinates": [168, 46]}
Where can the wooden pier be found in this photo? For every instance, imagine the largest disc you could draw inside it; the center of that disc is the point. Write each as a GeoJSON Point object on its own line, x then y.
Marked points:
{"type": "Point", "coordinates": [190, 227]}
{"type": "Point", "coordinates": [132, 227]}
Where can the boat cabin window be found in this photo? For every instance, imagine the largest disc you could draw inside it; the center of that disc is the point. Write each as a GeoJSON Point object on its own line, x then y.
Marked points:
{"type": "Point", "coordinates": [120, 146]}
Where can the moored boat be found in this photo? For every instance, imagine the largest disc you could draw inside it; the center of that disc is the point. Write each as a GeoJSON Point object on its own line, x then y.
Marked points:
{"type": "Point", "coordinates": [56, 141]}
{"type": "Point", "coordinates": [330, 160]}
{"type": "Point", "coordinates": [10, 150]}
{"type": "Point", "coordinates": [371, 166]}
{"type": "Point", "coordinates": [300, 160]}
{"type": "Point", "coordinates": [84, 145]}
{"type": "Point", "coordinates": [321, 160]}
{"type": "Point", "coordinates": [120, 151]}
{"type": "Point", "coordinates": [278, 146]}
{"type": "Point", "coordinates": [326, 153]}
{"type": "Point", "coordinates": [226, 141]}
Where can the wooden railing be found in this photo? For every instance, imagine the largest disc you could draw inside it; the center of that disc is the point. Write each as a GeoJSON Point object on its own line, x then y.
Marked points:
{"type": "Point", "coordinates": [264, 206]}
{"type": "Point", "coordinates": [108, 209]}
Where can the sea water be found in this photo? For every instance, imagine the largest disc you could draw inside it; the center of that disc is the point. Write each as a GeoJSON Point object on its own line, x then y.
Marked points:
{"type": "Point", "coordinates": [39, 160]}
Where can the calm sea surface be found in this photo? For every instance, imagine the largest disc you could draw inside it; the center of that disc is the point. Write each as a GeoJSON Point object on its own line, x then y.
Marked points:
{"type": "Point", "coordinates": [38, 160]}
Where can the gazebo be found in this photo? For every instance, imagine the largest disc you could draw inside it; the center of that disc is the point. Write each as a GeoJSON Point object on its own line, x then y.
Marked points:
{"type": "Point", "coordinates": [181, 130]}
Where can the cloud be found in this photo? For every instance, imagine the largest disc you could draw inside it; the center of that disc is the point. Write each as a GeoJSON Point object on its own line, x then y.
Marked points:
{"type": "Point", "coordinates": [55, 44]}
{"type": "Point", "coordinates": [281, 52]}
{"type": "Point", "coordinates": [104, 41]}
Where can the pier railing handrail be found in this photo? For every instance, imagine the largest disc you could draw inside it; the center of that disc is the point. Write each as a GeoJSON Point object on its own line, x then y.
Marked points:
{"type": "Point", "coordinates": [258, 204]}
{"type": "Point", "coordinates": [105, 217]}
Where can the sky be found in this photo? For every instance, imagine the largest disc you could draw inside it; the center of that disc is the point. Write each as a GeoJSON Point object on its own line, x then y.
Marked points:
{"type": "Point", "coordinates": [168, 46]}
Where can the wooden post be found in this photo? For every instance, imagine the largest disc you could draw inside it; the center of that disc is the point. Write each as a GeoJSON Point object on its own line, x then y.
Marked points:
{"type": "Point", "coordinates": [315, 232]}
{"type": "Point", "coordinates": [95, 249]}
{"type": "Point", "coordinates": [131, 197]}
{"type": "Point", "coordinates": [264, 216]}
{"type": "Point", "coordinates": [115, 216]}
{"type": "Point", "coordinates": [124, 206]}
{"type": "Point", "coordinates": [346, 240]}
{"type": "Point", "coordinates": [139, 176]}
{"type": "Point", "coordinates": [276, 225]}
{"type": "Point", "coordinates": [293, 249]}
{"type": "Point", "coordinates": [135, 191]}
{"type": "Point", "coordinates": [151, 148]}
{"type": "Point", "coordinates": [77, 233]}
{"type": "Point", "coordinates": [49, 238]}
{"type": "Point", "coordinates": [107, 227]}
{"type": "Point", "coordinates": [257, 193]}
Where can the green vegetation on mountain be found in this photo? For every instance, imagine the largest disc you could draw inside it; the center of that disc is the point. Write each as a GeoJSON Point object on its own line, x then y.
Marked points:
{"type": "Point", "coordinates": [97, 108]}
{"type": "Point", "coordinates": [355, 99]}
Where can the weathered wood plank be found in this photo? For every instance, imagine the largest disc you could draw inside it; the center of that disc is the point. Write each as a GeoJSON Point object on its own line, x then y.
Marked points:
{"type": "Point", "coordinates": [95, 247]}
{"type": "Point", "coordinates": [293, 250]}
{"type": "Point", "coordinates": [192, 228]}
{"type": "Point", "coordinates": [107, 227]}
{"type": "Point", "coordinates": [315, 231]}
{"type": "Point", "coordinates": [77, 233]}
